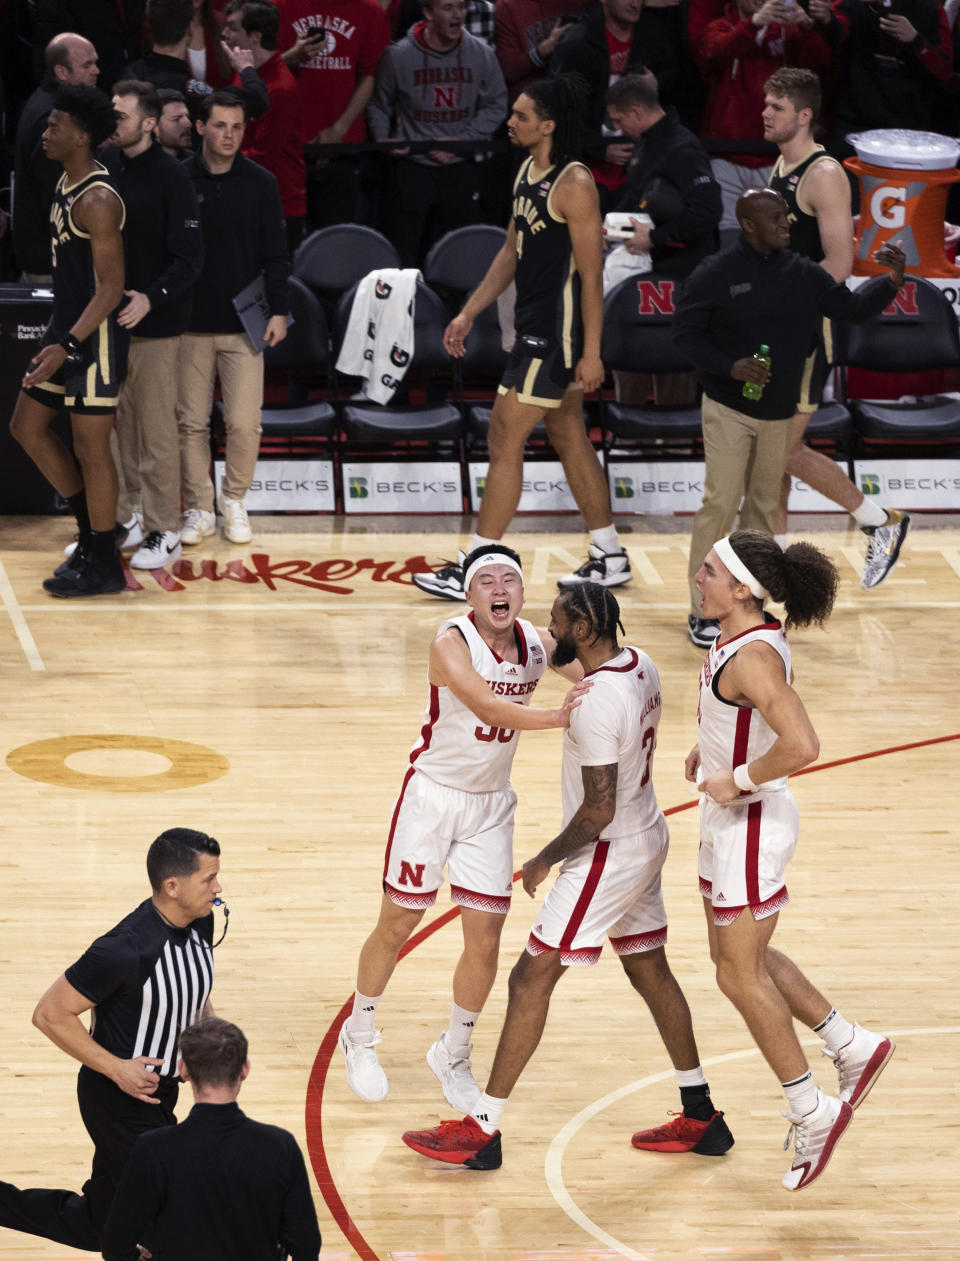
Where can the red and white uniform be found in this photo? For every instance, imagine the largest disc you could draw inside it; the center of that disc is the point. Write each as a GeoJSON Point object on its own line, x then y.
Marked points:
{"type": "Point", "coordinates": [456, 805]}
{"type": "Point", "coordinates": [744, 846]}
{"type": "Point", "coordinates": [611, 886]}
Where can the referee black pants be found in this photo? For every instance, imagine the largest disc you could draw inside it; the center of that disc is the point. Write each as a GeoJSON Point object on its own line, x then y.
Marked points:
{"type": "Point", "coordinates": [114, 1121]}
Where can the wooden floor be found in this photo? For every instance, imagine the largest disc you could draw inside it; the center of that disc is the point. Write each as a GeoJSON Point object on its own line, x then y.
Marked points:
{"type": "Point", "coordinates": [270, 694]}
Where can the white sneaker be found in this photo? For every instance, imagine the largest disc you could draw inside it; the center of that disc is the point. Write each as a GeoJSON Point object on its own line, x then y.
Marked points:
{"type": "Point", "coordinates": [883, 548]}
{"type": "Point", "coordinates": [610, 569]}
{"type": "Point", "coordinates": [455, 1075]}
{"type": "Point", "coordinates": [446, 582]}
{"type": "Point", "coordinates": [860, 1063]}
{"type": "Point", "coordinates": [159, 548]}
{"type": "Point", "coordinates": [197, 526]}
{"type": "Point", "coordinates": [236, 523]}
{"type": "Point", "coordinates": [365, 1077]}
{"type": "Point", "coordinates": [129, 534]}
{"type": "Point", "coordinates": [816, 1135]}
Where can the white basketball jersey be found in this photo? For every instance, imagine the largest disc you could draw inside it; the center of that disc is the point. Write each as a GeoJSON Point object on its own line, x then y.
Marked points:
{"type": "Point", "coordinates": [730, 734]}
{"type": "Point", "coordinates": [616, 722]}
{"type": "Point", "coordinates": [455, 748]}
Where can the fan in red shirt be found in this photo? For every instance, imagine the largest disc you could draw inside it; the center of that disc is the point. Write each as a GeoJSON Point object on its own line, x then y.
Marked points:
{"type": "Point", "coordinates": [275, 139]}
{"type": "Point", "coordinates": [333, 48]}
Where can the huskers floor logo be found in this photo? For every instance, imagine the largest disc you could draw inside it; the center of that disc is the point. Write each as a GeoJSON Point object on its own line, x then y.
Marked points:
{"type": "Point", "coordinates": [336, 577]}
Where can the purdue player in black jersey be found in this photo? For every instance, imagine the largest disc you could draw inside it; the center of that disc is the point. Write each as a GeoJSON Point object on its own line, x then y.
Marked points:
{"type": "Point", "coordinates": [815, 188]}
{"type": "Point", "coordinates": [554, 252]}
{"type": "Point", "coordinates": [79, 362]}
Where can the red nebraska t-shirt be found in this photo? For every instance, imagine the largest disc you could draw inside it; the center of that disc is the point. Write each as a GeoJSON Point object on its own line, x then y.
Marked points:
{"type": "Point", "coordinates": [357, 33]}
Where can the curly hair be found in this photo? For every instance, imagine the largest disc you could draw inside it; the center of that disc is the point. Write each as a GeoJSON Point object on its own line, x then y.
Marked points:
{"type": "Point", "coordinates": [91, 109]}
{"type": "Point", "coordinates": [597, 605]}
{"type": "Point", "coordinates": [802, 578]}
{"type": "Point", "coordinates": [562, 99]}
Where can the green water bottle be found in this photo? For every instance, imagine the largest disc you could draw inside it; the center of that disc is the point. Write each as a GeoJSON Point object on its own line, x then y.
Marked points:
{"type": "Point", "coordinates": [751, 389]}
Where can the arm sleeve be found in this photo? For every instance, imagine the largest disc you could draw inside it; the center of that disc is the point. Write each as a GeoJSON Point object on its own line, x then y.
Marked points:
{"type": "Point", "coordinates": [691, 325]}
{"type": "Point", "coordinates": [273, 251]}
{"type": "Point", "coordinates": [299, 1232]}
{"type": "Point", "coordinates": [134, 1206]}
{"type": "Point", "coordinates": [104, 967]}
{"type": "Point", "coordinates": [184, 240]}
{"type": "Point", "coordinates": [595, 725]}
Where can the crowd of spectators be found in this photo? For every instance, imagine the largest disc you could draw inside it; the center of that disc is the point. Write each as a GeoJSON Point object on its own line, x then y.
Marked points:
{"type": "Point", "coordinates": [337, 73]}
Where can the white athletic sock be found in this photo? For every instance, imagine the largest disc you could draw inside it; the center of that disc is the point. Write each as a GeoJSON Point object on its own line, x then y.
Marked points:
{"type": "Point", "coordinates": [869, 514]}
{"type": "Point", "coordinates": [361, 1019]}
{"type": "Point", "coordinates": [460, 1029]}
{"type": "Point", "coordinates": [690, 1077]}
{"type": "Point", "coordinates": [487, 1112]}
{"type": "Point", "coordinates": [834, 1030]}
{"type": "Point", "coordinates": [801, 1094]}
{"type": "Point", "coordinates": [607, 539]}
{"type": "Point", "coordinates": [477, 540]}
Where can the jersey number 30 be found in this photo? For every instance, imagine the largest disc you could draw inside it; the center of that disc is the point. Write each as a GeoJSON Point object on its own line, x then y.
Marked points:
{"type": "Point", "coordinates": [488, 734]}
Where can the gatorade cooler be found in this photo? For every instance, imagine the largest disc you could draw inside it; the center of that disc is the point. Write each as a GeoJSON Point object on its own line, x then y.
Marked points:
{"type": "Point", "coordinates": [904, 178]}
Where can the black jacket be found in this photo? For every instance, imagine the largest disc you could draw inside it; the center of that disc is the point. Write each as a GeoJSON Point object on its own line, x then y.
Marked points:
{"type": "Point", "coordinates": [171, 72]}
{"type": "Point", "coordinates": [243, 235]}
{"type": "Point", "coordinates": [36, 178]}
{"type": "Point", "coordinates": [162, 243]}
{"type": "Point", "coordinates": [584, 50]}
{"type": "Point", "coordinates": [738, 299]}
{"type": "Point", "coordinates": [216, 1187]}
{"type": "Point", "coordinates": [669, 178]}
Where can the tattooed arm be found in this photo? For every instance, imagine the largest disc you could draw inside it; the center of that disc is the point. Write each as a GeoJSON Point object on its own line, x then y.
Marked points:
{"type": "Point", "coordinates": [594, 813]}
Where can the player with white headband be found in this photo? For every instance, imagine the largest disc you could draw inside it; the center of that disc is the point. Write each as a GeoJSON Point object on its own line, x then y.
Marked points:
{"type": "Point", "coordinates": [753, 733]}
{"type": "Point", "coordinates": [455, 810]}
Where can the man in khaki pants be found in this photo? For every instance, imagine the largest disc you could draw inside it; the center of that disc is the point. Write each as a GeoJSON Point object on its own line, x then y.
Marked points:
{"type": "Point", "coordinates": [756, 292]}
{"type": "Point", "coordinates": [243, 237]}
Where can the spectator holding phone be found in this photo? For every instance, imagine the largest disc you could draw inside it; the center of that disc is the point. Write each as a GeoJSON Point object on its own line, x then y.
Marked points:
{"type": "Point", "coordinates": [528, 32]}
{"type": "Point", "coordinates": [334, 65]}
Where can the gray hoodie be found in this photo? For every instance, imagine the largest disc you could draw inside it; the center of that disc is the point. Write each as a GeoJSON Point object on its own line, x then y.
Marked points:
{"type": "Point", "coordinates": [421, 94]}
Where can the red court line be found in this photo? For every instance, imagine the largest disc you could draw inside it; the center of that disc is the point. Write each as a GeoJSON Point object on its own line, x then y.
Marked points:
{"type": "Point", "coordinates": [325, 1053]}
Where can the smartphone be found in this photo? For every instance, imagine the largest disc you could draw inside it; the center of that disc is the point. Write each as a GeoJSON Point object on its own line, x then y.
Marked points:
{"type": "Point", "coordinates": [316, 32]}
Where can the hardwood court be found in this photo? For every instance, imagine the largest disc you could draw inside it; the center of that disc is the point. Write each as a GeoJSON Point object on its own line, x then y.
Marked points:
{"type": "Point", "coordinates": [270, 695]}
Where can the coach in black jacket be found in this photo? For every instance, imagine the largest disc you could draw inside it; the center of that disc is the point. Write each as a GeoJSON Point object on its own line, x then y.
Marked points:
{"type": "Point", "coordinates": [668, 177]}
{"type": "Point", "coordinates": [163, 251]}
{"type": "Point", "coordinates": [219, 1186]}
{"type": "Point", "coordinates": [756, 292]}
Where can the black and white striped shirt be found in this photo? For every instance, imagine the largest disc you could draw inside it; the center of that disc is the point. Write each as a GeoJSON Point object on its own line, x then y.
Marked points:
{"type": "Point", "coordinates": [148, 981]}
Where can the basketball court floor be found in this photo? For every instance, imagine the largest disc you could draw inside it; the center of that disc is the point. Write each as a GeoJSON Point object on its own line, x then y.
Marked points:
{"type": "Point", "coordinates": [270, 694]}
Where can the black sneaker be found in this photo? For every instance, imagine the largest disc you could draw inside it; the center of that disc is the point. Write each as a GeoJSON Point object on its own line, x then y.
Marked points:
{"type": "Point", "coordinates": [88, 577]}
{"type": "Point", "coordinates": [703, 630]}
{"type": "Point", "coordinates": [446, 582]}
{"type": "Point", "coordinates": [610, 569]}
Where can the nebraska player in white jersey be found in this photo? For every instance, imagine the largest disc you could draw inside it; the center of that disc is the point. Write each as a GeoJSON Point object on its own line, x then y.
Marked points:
{"type": "Point", "coordinates": [753, 732]}
{"type": "Point", "coordinates": [455, 810]}
{"type": "Point", "coordinates": [611, 849]}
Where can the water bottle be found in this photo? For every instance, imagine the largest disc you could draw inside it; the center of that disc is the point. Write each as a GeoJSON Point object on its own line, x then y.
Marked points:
{"type": "Point", "coordinates": [752, 389]}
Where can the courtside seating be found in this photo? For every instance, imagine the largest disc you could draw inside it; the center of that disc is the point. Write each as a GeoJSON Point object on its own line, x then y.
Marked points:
{"type": "Point", "coordinates": [916, 333]}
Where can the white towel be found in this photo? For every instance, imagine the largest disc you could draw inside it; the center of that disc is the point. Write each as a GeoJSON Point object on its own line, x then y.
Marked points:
{"type": "Point", "coordinates": [378, 344]}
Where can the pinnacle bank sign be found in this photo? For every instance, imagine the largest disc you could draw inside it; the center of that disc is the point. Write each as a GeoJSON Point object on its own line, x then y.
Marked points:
{"type": "Point", "coordinates": [664, 487]}
{"type": "Point", "coordinates": [287, 486]}
{"type": "Point", "coordinates": [394, 486]}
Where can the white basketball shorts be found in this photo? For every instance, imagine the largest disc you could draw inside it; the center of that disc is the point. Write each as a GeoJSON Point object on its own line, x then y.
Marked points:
{"type": "Point", "coordinates": [470, 833]}
{"type": "Point", "coordinates": [744, 851]}
{"type": "Point", "coordinates": [606, 889]}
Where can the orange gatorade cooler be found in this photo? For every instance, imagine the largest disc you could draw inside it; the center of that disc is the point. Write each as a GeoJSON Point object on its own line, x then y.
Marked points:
{"type": "Point", "coordinates": [904, 179]}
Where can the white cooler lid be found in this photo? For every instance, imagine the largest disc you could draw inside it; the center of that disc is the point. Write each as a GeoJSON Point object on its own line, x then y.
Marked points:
{"type": "Point", "coordinates": [906, 150]}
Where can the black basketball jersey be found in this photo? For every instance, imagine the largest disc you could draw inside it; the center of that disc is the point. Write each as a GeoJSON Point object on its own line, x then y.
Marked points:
{"type": "Point", "coordinates": [804, 230]}
{"type": "Point", "coordinates": [548, 284]}
{"type": "Point", "coordinates": [74, 281]}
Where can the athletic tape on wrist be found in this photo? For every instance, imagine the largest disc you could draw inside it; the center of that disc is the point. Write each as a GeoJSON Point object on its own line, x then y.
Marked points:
{"type": "Point", "coordinates": [741, 777]}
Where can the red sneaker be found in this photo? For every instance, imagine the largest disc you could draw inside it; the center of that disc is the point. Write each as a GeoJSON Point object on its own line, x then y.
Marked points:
{"type": "Point", "coordinates": [684, 1134]}
{"type": "Point", "coordinates": [458, 1143]}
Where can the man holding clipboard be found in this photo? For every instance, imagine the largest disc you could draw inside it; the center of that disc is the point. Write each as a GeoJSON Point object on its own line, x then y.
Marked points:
{"type": "Point", "coordinates": [244, 241]}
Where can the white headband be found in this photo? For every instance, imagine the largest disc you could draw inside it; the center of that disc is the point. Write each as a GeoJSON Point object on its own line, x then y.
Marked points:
{"type": "Point", "coordinates": [738, 568]}
{"type": "Point", "coordinates": [490, 558]}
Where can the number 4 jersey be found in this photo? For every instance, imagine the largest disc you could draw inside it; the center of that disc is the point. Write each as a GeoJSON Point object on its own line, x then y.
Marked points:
{"type": "Point", "coordinates": [616, 725]}
{"type": "Point", "coordinates": [454, 747]}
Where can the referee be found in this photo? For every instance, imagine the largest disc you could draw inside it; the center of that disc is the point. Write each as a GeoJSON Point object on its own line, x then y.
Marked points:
{"type": "Point", "coordinates": [144, 981]}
